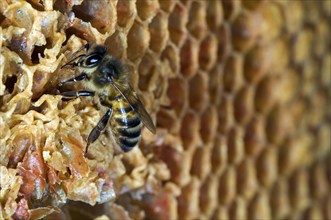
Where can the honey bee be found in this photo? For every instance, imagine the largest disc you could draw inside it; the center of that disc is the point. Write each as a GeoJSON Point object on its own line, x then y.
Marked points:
{"type": "Point", "coordinates": [106, 79]}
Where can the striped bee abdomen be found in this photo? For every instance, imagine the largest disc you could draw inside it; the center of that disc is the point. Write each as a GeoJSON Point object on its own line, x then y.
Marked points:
{"type": "Point", "coordinates": [126, 125]}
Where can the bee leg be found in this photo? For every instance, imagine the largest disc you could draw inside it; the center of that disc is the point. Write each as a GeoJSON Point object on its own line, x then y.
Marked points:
{"type": "Point", "coordinates": [73, 94]}
{"type": "Point", "coordinates": [75, 79]}
{"type": "Point", "coordinates": [95, 133]}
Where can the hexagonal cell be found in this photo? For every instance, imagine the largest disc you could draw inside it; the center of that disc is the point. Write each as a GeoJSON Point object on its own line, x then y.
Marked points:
{"type": "Point", "coordinates": [148, 81]}
{"type": "Point", "coordinates": [159, 85]}
{"type": "Point", "coordinates": [225, 115]}
{"type": "Point", "coordinates": [188, 201]}
{"type": "Point", "coordinates": [138, 41]}
{"type": "Point", "coordinates": [255, 137]}
{"type": "Point", "coordinates": [302, 46]}
{"type": "Point", "coordinates": [226, 188]}
{"type": "Point", "coordinates": [233, 73]}
{"type": "Point", "coordinates": [171, 55]}
{"type": "Point", "coordinates": [320, 39]}
{"type": "Point", "coordinates": [266, 94]}
{"type": "Point", "coordinates": [317, 105]}
{"type": "Point", "coordinates": [177, 93]}
{"type": "Point", "coordinates": [102, 16]}
{"type": "Point", "coordinates": [293, 13]}
{"type": "Point", "coordinates": [266, 167]}
{"type": "Point", "coordinates": [201, 165]}
{"type": "Point", "coordinates": [189, 58]}
{"type": "Point", "coordinates": [247, 184]}
{"type": "Point", "coordinates": [214, 14]}
{"type": "Point", "coordinates": [208, 198]}
{"type": "Point", "coordinates": [295, 153]}
{"type": "Point", "coordinates": [116, 44]}
{"type": "Point", "coordinates": [208, 125]}
{"type": "Point", "coordinates": [244, 105]}
{"type": "Point", "coordinates": [289, 87]}
{"type": "Point", "coordinates": [197, 19]}
{"type": "Point", "coordinates": [235, 145]}
{"type": "Point", "coordinates": [245, 30]}
{"type": "Point", "coordinates": [208, 52]}
{"type": "Point", "coordinates": [231, 9]}
{"type": "Point", "coordinates": [189, 132]}
{"type": "Point", "coordinates": [219, 155]}
{"type": "Point", "coordinates": [198, 97]}
{"type": "Point", "coordinates": [279, 125]}
{"type": "Point", "coordinates": [147, 9]}
{"type": "Point", "coordinates": [168, 119]}
{"type": "Point", "coordinates": [177, 22]}
{"type": "Point", "coordinates": [158, 29]}
{"type": "Point", "coordinates": [278, 50]}
{"type": "Point", "coordinates": [126, 13]}
{"type": "Point", "coordinates": [279, 200]}
{"type": "Point", "coordinates": [257, 62]}
{"type": "Point", "coordinates": [273, 22]}
{"type": "Point", "coordinates": [146, 63]}
{"type": "Point", "coordinates": [296, 110]}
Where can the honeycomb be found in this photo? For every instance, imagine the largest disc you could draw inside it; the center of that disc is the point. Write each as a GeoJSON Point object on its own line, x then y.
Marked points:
{"type": "Point", "coordinates": [239, 91]}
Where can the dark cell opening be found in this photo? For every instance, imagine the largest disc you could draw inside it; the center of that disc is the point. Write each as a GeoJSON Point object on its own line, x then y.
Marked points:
{"type": "Point", "coordinates": [69, 32]}
{"type": "Point", "coordinates": [10, 83]}
{"type": "Point", "coordinates": [81, 12]}
{"type": "Point", "coordinates": [2, 18]}
{"type": "Point", "coordinates": [40, 50]}
{"type": "Point", "coordinates": [36, 6]}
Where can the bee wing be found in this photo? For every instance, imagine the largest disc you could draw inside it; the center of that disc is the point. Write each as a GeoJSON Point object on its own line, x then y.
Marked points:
{"type": "Point", "coordinates": [131, 97]}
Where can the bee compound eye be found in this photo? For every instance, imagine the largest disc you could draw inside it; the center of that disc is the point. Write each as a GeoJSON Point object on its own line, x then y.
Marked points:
{"type": "Point", "coordinates": [93, 60]}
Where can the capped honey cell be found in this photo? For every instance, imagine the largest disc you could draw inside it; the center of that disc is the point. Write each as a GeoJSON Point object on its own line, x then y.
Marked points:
{"type": "Point", "coordinates": [138, 40]}
{"type": "Point", "coordinates": [177, 21]}
{"type": "Point", "coordinates": [126, 13]}
{"type": "Point", "coordinates": [197, 19]}
{"type": "Point", "coordinates": [214, 14]}
{"type": "Point", "coordinates": [147, 9]}
{"type": "Point", "coordinates": [159, 32]}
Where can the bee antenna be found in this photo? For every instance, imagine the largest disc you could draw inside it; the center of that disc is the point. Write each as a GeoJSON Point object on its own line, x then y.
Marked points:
{"type": "Point", "coordinates": [86, 46]}
{"type": "Point", "coordinates": [71, 62]}
{"type": "Point", "coordinates": [72, 56]}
